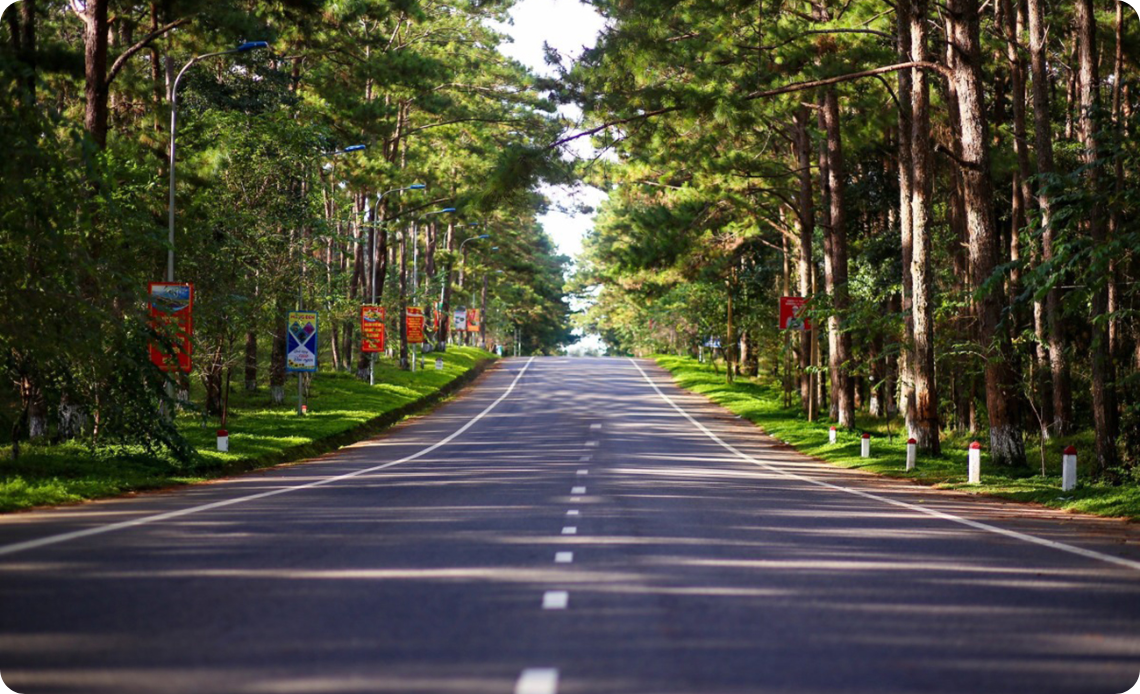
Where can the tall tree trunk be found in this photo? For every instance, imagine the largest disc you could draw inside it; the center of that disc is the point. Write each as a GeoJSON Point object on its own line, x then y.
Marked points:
{"type": "Point", "coordinates": [277, 358]}
{"type": "Point", "coordinates": [1006, 445]}
{"type": "Point", "coordinates": [1103, 371]}
{"type": "Point", "coordinates": [1043, 141]}
{"type": "Point", "coordinates": [1115, 338]}
{"type": "Point", "coordinates": [730, 335]}
{"type": "Point", "coordinates": [825, 211]}
{"type": "Point", "coordinates": [926, 426]}
{"type": "Point", "coordinates": [843, 389]}
{"type": "Point", "coordinates": [806, 218]}
{"type": "Point", "coordinates": [251, 360]}
{"type": "Point", "coordinates": [95, 38]}
{"type": "Point", "coordinates": [905, 11]}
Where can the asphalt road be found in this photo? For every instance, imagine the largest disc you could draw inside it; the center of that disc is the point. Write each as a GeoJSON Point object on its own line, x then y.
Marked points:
{"type": "Point", "coordinates": [566, 526]}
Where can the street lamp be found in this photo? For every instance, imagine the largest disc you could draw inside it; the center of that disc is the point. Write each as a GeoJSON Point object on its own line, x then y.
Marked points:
{"type": "Point", "coordinates": [247, 46]}
{"type": "Point", "coordinates": [372, 267]}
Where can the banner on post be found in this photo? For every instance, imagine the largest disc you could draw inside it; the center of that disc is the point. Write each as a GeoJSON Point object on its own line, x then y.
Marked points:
{"type": "Point", "coordinates": [415, 325]}
{"type": "Point", "coordinates": [460, 323]}
{"type": "Point", "coordinates": [474, 320]}
{"type": "Point", "coordinates": [791, 313]}
{"type": "Point", "coordinates": [172, 314]}
{"type": "Point", "coordinates": [301, 341]}
{"type": "Point", "coordinates": [372, 328]}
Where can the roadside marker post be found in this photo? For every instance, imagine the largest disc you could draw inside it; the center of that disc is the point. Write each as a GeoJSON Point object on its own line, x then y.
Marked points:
{"type": "Point", "coordinates": [1069, 469]}
{"type": "Point", "coordinates": [911, 453]}
{"type": "Point", "coordinates": [831, 435]}
{"type": "Point", "coordinates": [865, 449]}
{"type": "Point", "coordinates": [223, 440]}
{"type": "Point", "coordinates": [975, 466]}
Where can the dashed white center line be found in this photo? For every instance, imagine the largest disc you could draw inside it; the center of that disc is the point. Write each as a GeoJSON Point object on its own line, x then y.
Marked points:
{"type": "Point", "coordinates": [570, 530]}
{"type": "Point", "coordinates": [537, 681]}
{"type": "Point", "coordinates": [575, 498]}
{"type": "Point", "coordinates": [578, 490]}
{"type": "Point", "coordinates": [563, 557]}
{"type": "Point", "coordinates": [591, 444]}
{"type": "Point", "coordinates": [583, 472]}
{"type": "Point", "coordinates": [572, 512]}
{"type": "Point", "coordinates": [555, 600]}
{"type": "Point", "coordinates": [585, 459]}
{"type": "Point", "coordinates": [595, 426]}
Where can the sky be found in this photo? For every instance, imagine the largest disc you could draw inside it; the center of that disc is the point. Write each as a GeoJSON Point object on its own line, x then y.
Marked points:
{"type": "Point", "coordinates": [568, 26]}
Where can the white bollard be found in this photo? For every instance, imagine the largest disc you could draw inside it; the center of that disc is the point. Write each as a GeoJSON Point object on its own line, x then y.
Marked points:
{"type": "Point", "coordinates": [866, 447]}
{"type": "Point", "coordinates": [304, 409]}
{"type": "Point", "coordinates": [911, 453]}
{"type": "Point", "coordinates": [1069, 469]}
{"type": "Point", "coordinates": [223, 440]}
{"type": "Point", "coordinates": [975, 467]}
{"type": "Point", "coordinates": [831, 435]}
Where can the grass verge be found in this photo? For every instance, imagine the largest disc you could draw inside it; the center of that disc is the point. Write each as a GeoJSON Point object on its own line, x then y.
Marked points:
{"type": "Point", "coordinates": [341, 410]}
{"type": "Point", "coordinates": [761, 403]}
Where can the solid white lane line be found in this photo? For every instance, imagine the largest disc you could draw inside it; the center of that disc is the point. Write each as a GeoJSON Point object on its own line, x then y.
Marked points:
{"type": "Point", "coordinates": [583, 472]}
{"type": "Point", "coordinates": [575, 498]}
{"type": "Point", "coordinates": [570, 530]}
{"type": "Point", "coordinates": [578, 490]}
{"type": "Point", "coordinates": [563, 557]}
{"type": "Point", "coordinates": [572, 512]}
{"type": "Point", "coordinates": [595, 426]}
{"type": "Point", "coordinates": [99, 530]}
{"type": "Point", "coordinates": [1032, 539]}
{"type": "Point", "coordinates": [555, 600]}
{"type": "Point", "coordinates": [591, 444]}
{"type": "Point", "coordinates": [537, 681]}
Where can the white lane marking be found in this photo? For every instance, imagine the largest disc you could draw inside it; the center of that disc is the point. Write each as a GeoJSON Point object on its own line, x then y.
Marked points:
{"type": "Point", "coordinates": [570, 530]}
{"type": "Point", "coordinates": [537, 681]}
{"type": "Point", "coordinates": [595, 426]}
{"type": "Point", "coordinates": [88, 532]}
{"type": "Point", "coordinates": [1032, 539]}
{"type": "Point", "coordinates": [585, 459]}
{"type": "Point", "coordinates": [572, 512]}
{"type": "Point", "coordinates": [583, 472]}
{"type": "Point", "coordinates": [575, 498]}
{"type": "Point", "coordinates": [555, 600]}
{"type": "Point", "coordinates": [578, 490]}
{"type": "Point", "coordinates": [591, 444]}
{"type": "Point", "coordinates": [563, 557]}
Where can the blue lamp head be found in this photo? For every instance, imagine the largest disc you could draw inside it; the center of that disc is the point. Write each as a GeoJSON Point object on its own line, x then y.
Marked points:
{"type": "Point", "coordinates": [251, 45]}
{"type": "Point", "coordinates": [448, 209]}
{"type": "Point", "coordinates": [483, 236]}
{"type": "Point", "coordinates": [417, 186]}
{"type": "Point", "coordinates": [355, 148]}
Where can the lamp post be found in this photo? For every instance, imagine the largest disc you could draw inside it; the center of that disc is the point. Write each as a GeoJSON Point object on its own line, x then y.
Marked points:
{"type": "Point", "coordinates": [247, 46]}
{"type": "Point", "coordinates": [372, 267]}
{"type": "Point", "coordinates": [415, 284]}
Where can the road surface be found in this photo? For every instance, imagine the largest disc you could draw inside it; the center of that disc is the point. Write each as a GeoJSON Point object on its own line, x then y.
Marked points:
{"type": "Point", "coordinates": [567, 526]}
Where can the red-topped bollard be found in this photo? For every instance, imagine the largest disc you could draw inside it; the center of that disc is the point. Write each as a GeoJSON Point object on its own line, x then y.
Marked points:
{"type": "Point", "coordinates": [1069, 469]}
{"type": "Point", "coordinates": [223, 440]}
{"type": "Point", "coordinates": [866, 445]}
{"type": "Point", "coordinates": [911, 453]}
{"type": "Point", "coordinates": [831, 435]}
{"type": "Point", "coordinates": [975, 466]}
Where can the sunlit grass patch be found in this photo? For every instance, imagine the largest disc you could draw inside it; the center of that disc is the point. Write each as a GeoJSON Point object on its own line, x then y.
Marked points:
{"type": "Point", "coordinates": [761, 402]}
{"type": "Point", "coordinates": [341, 408]}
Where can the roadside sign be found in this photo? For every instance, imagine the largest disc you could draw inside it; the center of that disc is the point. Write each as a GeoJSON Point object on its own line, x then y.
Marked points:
{"type": "Point", "coordinates": [301, 341]}
{"type": "Point", "coordinates": [460, 323]}
{"type": "Point", "coordinates": [791, 313]}
{"type": "Point", "coordinates": [415, 322]}
{"type": "Point", "coordinates": [372, 328]}
{"type": "Point", "coordinates": [474, 319]}
{"type": "Point", "coordinates": [172, 313]}
{"type": "Point", "coordinates": [439, 363]}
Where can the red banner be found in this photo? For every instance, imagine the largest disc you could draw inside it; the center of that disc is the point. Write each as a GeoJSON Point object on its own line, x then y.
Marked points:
{"type": "Point", "coordinates": [372, 328]}
{"type": "Point", "coordinates": [172, 314]}
{"type": "Point", "coordinates": [474, 320]}
{"type": "Point", "coordinates": [791, 310]}
{"type": "Point", "coordinates": [415, 322]}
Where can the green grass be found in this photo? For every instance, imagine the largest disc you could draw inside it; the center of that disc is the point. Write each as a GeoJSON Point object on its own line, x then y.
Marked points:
{"type": "Point", "coordinates": [341, 409]}
{"type": "Point", "coordinates": [761, 403]}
